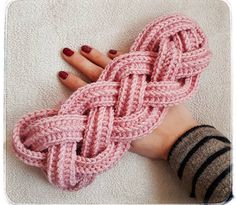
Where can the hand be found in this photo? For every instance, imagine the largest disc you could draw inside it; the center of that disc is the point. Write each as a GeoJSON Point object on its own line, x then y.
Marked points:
{"type": "Point", "coordinates": [178, 119]}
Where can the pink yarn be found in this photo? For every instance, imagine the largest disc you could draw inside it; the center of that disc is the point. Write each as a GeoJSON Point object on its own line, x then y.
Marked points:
{"type": "Point", "coordinates": [93, 129]}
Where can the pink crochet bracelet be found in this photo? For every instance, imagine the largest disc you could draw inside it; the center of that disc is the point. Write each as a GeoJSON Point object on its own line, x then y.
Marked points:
{"type": "Point", "coordinates": [93, 129]}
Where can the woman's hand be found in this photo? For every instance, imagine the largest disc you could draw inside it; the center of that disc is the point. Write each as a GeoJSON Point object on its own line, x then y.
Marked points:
{"type": "Point", "coordinates": [91, 63]}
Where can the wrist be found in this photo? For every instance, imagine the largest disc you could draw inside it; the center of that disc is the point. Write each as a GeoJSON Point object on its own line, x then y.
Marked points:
{"type": "Point", "coordinates": [178, 120]}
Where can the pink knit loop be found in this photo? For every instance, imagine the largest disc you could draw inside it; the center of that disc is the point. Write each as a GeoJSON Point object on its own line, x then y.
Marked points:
{"type": "Point", "coordinates": [93, 129]}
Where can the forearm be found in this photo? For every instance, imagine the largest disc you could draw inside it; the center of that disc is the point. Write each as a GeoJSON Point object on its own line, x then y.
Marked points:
{"type": "Point", "coordinates": [201, 159]}
{"type": "Point", "coordinates": [198, 154]}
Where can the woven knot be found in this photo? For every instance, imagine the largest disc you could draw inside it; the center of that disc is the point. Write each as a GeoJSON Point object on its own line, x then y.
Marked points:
{"type": "Point", "coordinates": [94, 127]}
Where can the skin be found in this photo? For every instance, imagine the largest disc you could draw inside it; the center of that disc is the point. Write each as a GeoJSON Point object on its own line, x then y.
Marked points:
{"type": "Point", "coordinates": [155, 145]}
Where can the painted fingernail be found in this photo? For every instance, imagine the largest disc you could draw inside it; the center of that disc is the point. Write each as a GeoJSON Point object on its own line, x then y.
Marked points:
{"type": "Point", "coordinates": [68, 52]}
{"type": "Point", "coordinates": [113, 52]}
{"type": "Point", "coordinates": [86, 48]}
{"type": "Point", "coordinates": [63, 75]}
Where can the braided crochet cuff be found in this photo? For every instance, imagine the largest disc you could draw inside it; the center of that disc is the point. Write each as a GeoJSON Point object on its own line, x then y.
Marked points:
{"type": "Point", "coordinates": [201, 159]}
{"type": "Point", "coordinates": [93, 129]}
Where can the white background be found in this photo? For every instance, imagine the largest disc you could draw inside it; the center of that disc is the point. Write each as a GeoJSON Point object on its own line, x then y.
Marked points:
{"type": "Point", "coordinates": [3, 6]}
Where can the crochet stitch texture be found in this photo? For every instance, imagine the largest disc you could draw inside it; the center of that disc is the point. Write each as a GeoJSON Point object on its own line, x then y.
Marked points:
{"type": "Point", "coordinates": [94, 127]}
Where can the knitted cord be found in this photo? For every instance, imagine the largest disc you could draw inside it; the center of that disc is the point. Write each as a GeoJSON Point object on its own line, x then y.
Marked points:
{"type": "Point", "coordinates": [94, 127]}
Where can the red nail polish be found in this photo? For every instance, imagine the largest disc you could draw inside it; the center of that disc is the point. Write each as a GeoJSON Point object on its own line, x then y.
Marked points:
{"type": "Point", "coordinates": [86, 48]}
{"type": "Point", "coordinates": [63, 75]}
{"type": "Point", "coordinates": [113, 52]}
{"type": "Point", "coordinates": [68, 52]}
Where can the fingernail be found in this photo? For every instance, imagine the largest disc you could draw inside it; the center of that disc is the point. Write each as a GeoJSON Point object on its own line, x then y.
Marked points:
{"type": "Point", "coordinates": [68, 52]}
{"type": "Point", "coordinates": [113, 52]}
{"type": "Point", "coordinates": [86, 48]}
{"type": "Point", "coordinates": [63, 75]}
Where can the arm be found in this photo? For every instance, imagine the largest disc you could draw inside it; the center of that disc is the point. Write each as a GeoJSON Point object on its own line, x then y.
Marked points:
{"type": "Point", "coordinates": [201, 160]}
{"type": "Point", "coordinates": [198, 154]}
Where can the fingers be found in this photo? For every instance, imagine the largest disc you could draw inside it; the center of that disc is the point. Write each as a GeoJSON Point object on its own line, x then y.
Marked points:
{"type": "Point", "coordinates": [95, 56]}
{"type": "Point", "coordinates": [81, 63]}
{"type": "Point", "coordinates": [113, 53]}
{"type": "Point", "coordinates": [89, 61]}
{"type": "Point", "coordinates": [71, 81]}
